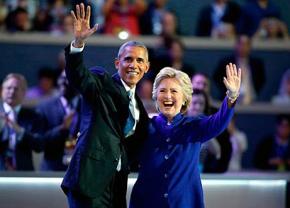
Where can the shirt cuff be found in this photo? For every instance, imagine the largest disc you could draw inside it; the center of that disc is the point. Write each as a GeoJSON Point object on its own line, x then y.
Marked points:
{"type": "Point", "coordinates": [20, 134]}
{"type": "Point", "coordinates": [74, 49]}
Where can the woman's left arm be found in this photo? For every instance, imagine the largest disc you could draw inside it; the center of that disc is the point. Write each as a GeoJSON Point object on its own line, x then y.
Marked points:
{"type": "Point", "coordinates": [213, 125]}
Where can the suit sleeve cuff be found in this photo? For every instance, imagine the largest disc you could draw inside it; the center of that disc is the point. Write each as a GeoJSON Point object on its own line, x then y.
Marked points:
{"type": "Point", "coordinates": [74, 49]}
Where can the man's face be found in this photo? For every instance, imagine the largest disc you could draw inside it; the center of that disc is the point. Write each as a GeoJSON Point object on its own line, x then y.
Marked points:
{"type": "Point", "coordinates": [169, 23]}
{"type": "Point", "coordinates": [176, 51]}
{"type": "Point", "coordinates": [243, 46]}
{"type": "Point", "coordinates": [200, 82]}
{"type": "Point", "coordinates": [13, 92]}
{"type": "Point", "coordinates": [132, 64]}
{"type": "Point", "coordinates": [197, 105]}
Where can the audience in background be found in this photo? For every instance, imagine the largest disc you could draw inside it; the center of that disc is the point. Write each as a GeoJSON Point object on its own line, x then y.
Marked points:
{"type": "Point", "coordinates": [151, 20]}
{"type": "Point", "coordinates": [65, 26]}
{"type": "Point", "coordinates": [58, 10]}
{"type": "Point", "coordinates": [42, 21]}
{"type": "Point", "coordinates": [271, 29]}
{"type": "Point", "coordinates": [201, 81]}
{"type": "Point", "coordinates": [60, 118]}
{"type": "Point", "coordinates": [97, 16]}
{"type": "Point", "coordinates": [169, 25]}
{"type": "Point", "coordinates": [170, 52]}
{"type": "Point", "coordinates": [18, 126]}
{"type": "Point", "coordinates": [283, 96]}
{"type": "Point", "coordinates": [253, 72]}
{"type": "Point", "coordinates": [175, 51]}
{"type": "Point", "coordinates": [44, 89]}
{"type": "Point", "coordinates": [273, 153]}
{"type": "Point", "coordinates": [253, 12]}
{"type": "Point", "coordinates": [3, 15]}
{"type": "Point", "coordinates": [218, 19]}
{"type": "Point", "coordinates": [18, 21]}
{"type": "Point", "coordinates": [239, 143]}
{"type": "Point", "coordinates": [29, 5]}
{"type": "Point", "coordinates": [199, 104]}
{"type": "Point", "coordinates": [144, 91]}
{"type": "Point", "coordinates": [158, 56]}
{"type": "Point", "coordinates": [122, 16]}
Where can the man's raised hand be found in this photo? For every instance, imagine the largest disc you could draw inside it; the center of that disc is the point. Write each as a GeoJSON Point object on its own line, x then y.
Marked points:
{"type": "Point", "coordinates": [81, 20]}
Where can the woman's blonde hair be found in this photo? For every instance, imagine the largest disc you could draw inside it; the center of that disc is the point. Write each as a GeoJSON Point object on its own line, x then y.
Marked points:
{"type": "Point", "coordinates": [182, 78]}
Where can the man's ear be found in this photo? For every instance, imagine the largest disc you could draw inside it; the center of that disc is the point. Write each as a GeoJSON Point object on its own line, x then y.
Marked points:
{"type": "Point", "coordinates": [148, 67]}
{"type": "Point", "coordinates": [117, 62]}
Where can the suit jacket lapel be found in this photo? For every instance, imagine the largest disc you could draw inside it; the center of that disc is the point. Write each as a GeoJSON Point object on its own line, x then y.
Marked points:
{"type": "Point", "coordinates": [4, 131]}
{"type": "Point", "coordinates": [21, 117]}
{"type": "Point", "coordinates": [123, 100]}
{"type": "Point", "coordinates": [117, 80]}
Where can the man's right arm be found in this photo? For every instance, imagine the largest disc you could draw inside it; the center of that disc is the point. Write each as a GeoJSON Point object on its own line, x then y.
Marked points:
{"type": "Point", "coordinates": [79, 77]}
{"type": "Point", "coordinates": [81, 22]}
{"type": "Point", "coordinates": [76, 72]}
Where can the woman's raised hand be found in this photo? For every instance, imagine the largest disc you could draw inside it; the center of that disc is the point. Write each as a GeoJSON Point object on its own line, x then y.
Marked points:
{"type": "Point", "coordinates": [232, 81]}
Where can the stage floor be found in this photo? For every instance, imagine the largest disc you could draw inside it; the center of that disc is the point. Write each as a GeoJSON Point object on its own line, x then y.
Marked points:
{"type": "Point", "coordinates": [239, 190]}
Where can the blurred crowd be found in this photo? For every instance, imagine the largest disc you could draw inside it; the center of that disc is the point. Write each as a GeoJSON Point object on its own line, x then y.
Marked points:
{"type": "Point", "coordinates": [220, 19]}
{"type": "Point", "coordinates": [45, 118]}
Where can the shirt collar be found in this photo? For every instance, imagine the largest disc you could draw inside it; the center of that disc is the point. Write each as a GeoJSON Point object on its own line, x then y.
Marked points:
{"type": "Point", "coordinates": [63, 101]}
{"type": "Point", "coordinates": [8, 108]}
{"type": "Point", "coordinates": [127, 88]}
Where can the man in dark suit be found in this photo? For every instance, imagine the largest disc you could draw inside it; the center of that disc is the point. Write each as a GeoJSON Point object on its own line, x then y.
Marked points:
{"type": "Point", "coordinates": [218, 19]}
{"type": "Point", "coordinates": [253, 72]}
{"type": "Point", "coordinates": [151, 20]}
{"type": "Point", "coordinates": [273, 151]}
{"type": "Point", "coordinates": [98, 172]}
{"type": "Point", "coordinates": [60, 126]}
{"type": "Point", "coordinates": [18, 124]}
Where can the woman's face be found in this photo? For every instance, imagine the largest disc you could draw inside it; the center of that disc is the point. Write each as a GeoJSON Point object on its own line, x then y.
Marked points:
{"type": "Point", "coordinates": [169, 97]}
{"type": "Point", "coordinates": [197, 105]}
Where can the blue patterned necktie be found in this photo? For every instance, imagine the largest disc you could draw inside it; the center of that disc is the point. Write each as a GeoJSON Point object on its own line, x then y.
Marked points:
{"type": "Point", "coordinates": [130, 123]}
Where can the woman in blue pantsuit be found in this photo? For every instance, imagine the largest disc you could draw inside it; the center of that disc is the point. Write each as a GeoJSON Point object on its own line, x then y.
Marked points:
{"type": "Point", "coordinates": [169, 174]}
